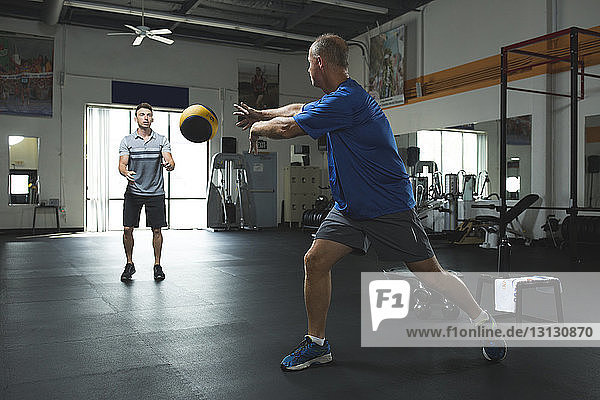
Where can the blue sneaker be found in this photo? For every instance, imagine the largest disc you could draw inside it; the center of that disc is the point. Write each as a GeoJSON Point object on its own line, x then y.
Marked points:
{"type": "Point", "coordinates": [306, 354]}
{"type": "Point", "coordinates": [494, 349]}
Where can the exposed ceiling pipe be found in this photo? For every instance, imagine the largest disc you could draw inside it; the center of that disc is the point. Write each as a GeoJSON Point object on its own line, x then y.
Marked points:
{"type": "Point", "coordinates": [53, 9]}
{"type": "Point", "coordinates": [186, 20]}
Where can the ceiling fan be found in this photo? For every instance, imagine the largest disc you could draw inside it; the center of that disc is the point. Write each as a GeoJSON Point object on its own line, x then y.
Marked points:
{"type": "Point", "coordinates": [142, 31]}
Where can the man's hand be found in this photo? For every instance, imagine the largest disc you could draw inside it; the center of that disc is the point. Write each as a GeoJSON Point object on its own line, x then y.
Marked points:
{"type": "Point", "coordinates": [130, 175]}
{"type": "Point", "coordinates": [249, 115]}
{"type": "Point", "coordinates": [168, 166]}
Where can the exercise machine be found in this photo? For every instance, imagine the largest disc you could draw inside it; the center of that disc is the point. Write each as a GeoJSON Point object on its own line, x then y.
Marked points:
{"type": "Point", "coordinates": [229, 204]}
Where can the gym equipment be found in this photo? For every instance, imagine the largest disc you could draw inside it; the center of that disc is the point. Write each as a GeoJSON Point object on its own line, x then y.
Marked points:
{"type": "Point", "coordinates": [469, 187]}
{"type": "Point", "coordinates": [413, 155]}
{"type": "Point", "coordinates": [422, 192]}
{"type": "Point", "coordinates": [225, 213]}
{"type": "Point", "coordinates": [587, 229]}
{"type": "Point", "coordinates": [521, 283]}
{"type": "Point", "coordinates": [572, 43]}
{"type": "Point", "coordinates": [552, 228]}
{"type": "Point", "coordinates": [198, 123]}
{"type": "Point", "coordinates": [451, 184]}
{"type": "Point", "coordinates": [312, 218]}
{"type": "Point", "coordinates": [505, 219]}
{"type": "Point", "coordinates": [424, 300]}
{"type": "Point", "coordinates": [322, 203]}
{"type": "Point", "coordinates": [593, 167]}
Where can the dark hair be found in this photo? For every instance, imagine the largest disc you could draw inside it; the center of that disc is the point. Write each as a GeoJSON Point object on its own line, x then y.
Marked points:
{"type": "Point", "coordinates": [143, 105]}
{"type": "Point", "coordinates": [332, 48]}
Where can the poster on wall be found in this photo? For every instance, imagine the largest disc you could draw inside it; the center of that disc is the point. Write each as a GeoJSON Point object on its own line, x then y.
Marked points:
{"type": "Point", "coordinates": [258, 84]}
{"type": "Point", "coordinates": [518, 130]}
{"type": "Point", "coordinates": [26, 74]}
{"type": "Point", "coordinates": [386, 67]}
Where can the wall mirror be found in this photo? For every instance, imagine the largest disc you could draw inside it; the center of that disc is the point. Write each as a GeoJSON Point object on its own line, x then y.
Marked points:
{"type": "Point", "coordinates": [23, 180]}
{"type": "Point", "coordinates": [473, 149]}
{"type": "Point", "coordinates": [592, 161]}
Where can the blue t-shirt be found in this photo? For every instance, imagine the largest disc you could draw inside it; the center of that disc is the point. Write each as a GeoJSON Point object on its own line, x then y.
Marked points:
{"type": "Point", "coordinates": [367, 176]}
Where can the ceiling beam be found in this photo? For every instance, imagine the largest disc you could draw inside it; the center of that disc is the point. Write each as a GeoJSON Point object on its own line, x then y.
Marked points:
{"type": "Point", "coordinates": [188, 6]}
{"type": "Point", "coordinates": [185, 9]}
{"type": "Point", "coordinates": [354, 5]}
{"type": "Point", "coordinates": [306, 13]}
{"type": "Point", "coordinates": [188, 20]}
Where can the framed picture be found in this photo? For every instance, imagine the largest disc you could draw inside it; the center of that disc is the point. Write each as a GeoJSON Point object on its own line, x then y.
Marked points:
{"type": "Point", "coordinates": [26, 78]}
{"type": "Point", "coordinates": [386, 67]}
{"type": "Point", "coordinates": [518, 130]}
{"type": "Point", "coordinates": [258, 84]}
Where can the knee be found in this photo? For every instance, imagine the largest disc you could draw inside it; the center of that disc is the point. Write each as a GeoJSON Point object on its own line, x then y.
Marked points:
{"type": "Point", "coordinates": [315, 264]}
{"type": "Point", "coordinates": [156, 232]}
{"type": "Point", "coordinates": [128, 231]}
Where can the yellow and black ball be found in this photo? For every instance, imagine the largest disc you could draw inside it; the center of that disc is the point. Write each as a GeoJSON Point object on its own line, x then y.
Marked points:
{"type": "Point", "coordinates": [198, 123]}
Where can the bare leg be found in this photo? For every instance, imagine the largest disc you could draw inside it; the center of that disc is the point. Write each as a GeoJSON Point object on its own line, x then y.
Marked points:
{"type": "Point", "coordinates": [445, 283]}
{"type": "Point", "coordinates": [318, 261]}
{"type": "Point", "coordinates": [157, 241]}
{"type": "Point", "coordinates": [128, 243]}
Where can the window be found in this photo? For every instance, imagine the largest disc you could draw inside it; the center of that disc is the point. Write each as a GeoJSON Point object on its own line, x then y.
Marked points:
{"type": "Point", "coordinates": [430, 145]}
{"type": "Point", "coordinates": [454, 151]}
{"type": "Point", "coordinates": [185, 188]}
{"type": "Point", "coordinates": [19, 184]}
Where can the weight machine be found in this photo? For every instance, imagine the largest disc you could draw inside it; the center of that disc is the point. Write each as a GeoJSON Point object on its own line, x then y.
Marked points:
{"type": "Point", "coordinates": [229, 204]}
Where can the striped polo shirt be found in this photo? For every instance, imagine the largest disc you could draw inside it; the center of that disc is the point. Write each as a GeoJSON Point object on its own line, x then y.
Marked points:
{"type": "Point", "coordinates": [145, 159]}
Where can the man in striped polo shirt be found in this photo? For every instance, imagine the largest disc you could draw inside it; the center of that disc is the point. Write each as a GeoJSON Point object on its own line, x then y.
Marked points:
{"type": "Point", "coordinates": [142, 156]}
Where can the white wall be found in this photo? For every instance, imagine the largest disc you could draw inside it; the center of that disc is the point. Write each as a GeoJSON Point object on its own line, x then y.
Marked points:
{"type": "Point", "coordinates": [85, 63]}
{"type": "Point", "coordinates": [450, 33]}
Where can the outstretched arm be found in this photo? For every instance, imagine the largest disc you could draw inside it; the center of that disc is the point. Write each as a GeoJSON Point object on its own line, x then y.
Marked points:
{"type": "Point", "coordinates": [250, 115]}
{"type": "Point", "coordinates": [276, 128]}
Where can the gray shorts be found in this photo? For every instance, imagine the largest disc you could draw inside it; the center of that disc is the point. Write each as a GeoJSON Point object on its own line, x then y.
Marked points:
{"type": "Point", "coordinates": [395, 237]}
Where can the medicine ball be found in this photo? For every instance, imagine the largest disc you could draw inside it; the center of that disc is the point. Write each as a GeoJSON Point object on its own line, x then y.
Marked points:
{"type": "Point", "coordinates": [198, 123]}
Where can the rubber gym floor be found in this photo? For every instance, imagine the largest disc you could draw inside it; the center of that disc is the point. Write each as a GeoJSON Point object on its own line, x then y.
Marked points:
{"type": "Point", "coordinates": [230, 308]}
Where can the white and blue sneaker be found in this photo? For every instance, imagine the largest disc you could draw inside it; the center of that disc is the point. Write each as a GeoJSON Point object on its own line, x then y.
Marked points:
{"type": "Point", "coordinates": [306, 354]}
{"type": "Point", "coordinates": [493, 349]}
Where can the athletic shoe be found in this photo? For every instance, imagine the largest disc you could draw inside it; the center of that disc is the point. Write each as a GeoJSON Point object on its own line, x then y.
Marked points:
{"type": "Point", "coordinates": [129, 270]}
{"type": "Point", "coordinates": [494, 349]}
{"type": "Point", "coordinates": [306, 354]}
{"type": "Point", "coordinates": [159, 275]}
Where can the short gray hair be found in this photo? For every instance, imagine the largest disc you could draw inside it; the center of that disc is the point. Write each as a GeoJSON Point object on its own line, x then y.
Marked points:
{"type": "Point", "coordinates": [332, 48]}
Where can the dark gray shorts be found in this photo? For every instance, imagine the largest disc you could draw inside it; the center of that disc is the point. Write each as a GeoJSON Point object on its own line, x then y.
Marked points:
{"type": "Point", "coordinates": [395, 237]}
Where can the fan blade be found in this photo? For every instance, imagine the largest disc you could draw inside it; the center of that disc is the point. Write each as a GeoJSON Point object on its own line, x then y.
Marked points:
{"type": "Point", "coordinates": [161, 39]}
{"type": "Point", "coordinates": [164, 31]}
{"type": "Point", "coordinates": [120, 33]}
{"type": "Point", "coordinates": [138, 41]}
{"type": "Point", "coordinates": [133, 28]}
